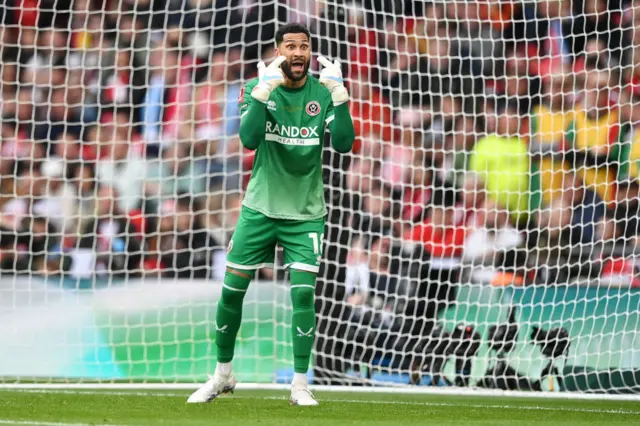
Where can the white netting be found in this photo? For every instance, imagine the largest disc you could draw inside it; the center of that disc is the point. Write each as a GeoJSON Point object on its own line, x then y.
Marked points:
{"type": "Point", "coordinates": [483, 232]}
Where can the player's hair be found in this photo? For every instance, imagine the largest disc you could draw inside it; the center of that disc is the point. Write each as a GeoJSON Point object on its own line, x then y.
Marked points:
{"type": "Point", "coordinates": [291, 28]}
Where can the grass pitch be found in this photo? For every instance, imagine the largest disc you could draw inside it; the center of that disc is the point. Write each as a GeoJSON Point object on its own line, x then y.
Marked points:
{"type": "Point", "coordinates": [97, 407]}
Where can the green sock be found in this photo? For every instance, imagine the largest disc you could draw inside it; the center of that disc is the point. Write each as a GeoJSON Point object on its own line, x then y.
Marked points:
{"type": "Point", "coordinates": [303, 322]}
{"type": "Point", "coordinates": [229, 314]}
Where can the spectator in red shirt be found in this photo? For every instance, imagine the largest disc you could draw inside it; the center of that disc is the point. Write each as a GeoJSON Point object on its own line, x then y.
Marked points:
{"type": "Point", "coordinates": [443, 232]}
{"type": "Point", "coordinates": [364, 40]}
{"type": "Point", "coordinates": [371, 113]}
{"type": "Point", "coordinates": [443, 235]}
{"type": "Point", "coordinates": [117, 83]}
{"type": "Point", "coordinates": [416, 196]}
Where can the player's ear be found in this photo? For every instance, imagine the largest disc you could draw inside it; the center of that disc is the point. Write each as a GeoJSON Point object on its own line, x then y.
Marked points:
{"type": "Point", "coordinates": [277, 51]}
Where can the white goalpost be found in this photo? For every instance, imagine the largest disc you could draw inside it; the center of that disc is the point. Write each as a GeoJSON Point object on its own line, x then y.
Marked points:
{"type": "Point", "coordinates": [481, 238]}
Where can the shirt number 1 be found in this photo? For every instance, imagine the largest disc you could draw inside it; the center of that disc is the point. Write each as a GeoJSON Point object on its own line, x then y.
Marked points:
{"type": "Point", "coordinates": [317, 242]}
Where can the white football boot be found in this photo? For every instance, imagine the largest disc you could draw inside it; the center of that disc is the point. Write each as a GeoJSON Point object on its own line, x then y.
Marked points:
{"type": "Point", "coordinates": [217, 385]}
{"type": "Point", "coordinates": [301, 395]}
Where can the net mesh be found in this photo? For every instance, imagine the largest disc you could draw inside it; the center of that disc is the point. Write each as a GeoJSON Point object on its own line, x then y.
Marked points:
{"type": "Point", "coordinates": [482, 233]}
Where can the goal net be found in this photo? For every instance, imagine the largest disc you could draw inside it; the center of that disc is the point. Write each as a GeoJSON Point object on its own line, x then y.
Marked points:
{"type": "Point", "coordinates": [482, 234]}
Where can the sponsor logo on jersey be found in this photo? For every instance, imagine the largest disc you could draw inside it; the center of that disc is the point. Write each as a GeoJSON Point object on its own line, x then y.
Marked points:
{"type": "Point", "coordinates": [230, 247]}
{"type": "Point", "coordinates": [271, 105]}
{"type": "Point", "coordinates": [292, 135]}
{"type": "Point", "coordinates": [313, 108]}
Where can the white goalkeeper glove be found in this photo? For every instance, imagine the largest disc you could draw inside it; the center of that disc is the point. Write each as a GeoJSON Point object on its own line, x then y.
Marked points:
{"type": "Point", "coordinates": [269, 78]}
{"type": "Point", "coordinates": [331, 77]}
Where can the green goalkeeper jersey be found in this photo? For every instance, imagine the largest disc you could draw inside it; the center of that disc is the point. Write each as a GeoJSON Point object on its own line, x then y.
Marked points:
{"type": "Point", "coordinates": [287, 133]}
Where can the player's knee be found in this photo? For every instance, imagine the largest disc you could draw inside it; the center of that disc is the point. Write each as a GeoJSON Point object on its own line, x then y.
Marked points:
{"type": "Point", "coordinates": [302, 297]}
{"type": "Point", "coordinates": [231, 297]}
{"type": "Point", "coordinates": [235, 286]}
{"type": "Point", "coordinates": [302, 289]}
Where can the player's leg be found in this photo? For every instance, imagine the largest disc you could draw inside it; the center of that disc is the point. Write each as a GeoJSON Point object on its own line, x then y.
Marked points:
{"type": "Point", "coordinates": [303, 320]}
{"type": "Point", "coordinates": [229, 314]}
{"type": "Point", "coordinates": [302, 244]}
{"type": "Point", "coordinates": [251, 247]}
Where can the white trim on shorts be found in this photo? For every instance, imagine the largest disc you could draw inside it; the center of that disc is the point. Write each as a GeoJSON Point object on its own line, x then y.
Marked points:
{"type": "Point", "coordinates": [249, 267]}
{"type": "Point", "coordinates": [303, 267]}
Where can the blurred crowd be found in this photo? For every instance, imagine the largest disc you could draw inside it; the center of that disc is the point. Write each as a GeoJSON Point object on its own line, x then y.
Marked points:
{"type": "Point", "coordinates": [496, 140]}
{"type": "Point", "coordinates": [119, 153]}
{"type": "Point", "coordinates": [497, 144]}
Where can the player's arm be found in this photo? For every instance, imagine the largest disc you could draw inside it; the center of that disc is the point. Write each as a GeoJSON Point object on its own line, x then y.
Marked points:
{"type": "Point", "coordinates": [253, 108]}
{"type": "Point", "coordinates": [253, 116]}
{"type": "Point", "coordinates": [341, 127]}
{"type": "Point", "coordinates": [338, 116]}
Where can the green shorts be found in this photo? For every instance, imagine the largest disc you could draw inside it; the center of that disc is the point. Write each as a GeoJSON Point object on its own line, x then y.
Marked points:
{"type": "Point", "coordinates": [254, 241]}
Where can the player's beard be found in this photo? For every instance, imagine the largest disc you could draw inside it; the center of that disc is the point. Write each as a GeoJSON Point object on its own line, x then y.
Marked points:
{"type": "Point", "coordinates": [286, 69]}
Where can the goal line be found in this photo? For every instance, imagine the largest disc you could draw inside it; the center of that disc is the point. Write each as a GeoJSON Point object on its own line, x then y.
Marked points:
{"type": "Point", "coordinates": [324, 388]}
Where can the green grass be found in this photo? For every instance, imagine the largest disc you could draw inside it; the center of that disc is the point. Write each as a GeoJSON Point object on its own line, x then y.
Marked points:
{"type": "Point", "coordinates": [63, 408]}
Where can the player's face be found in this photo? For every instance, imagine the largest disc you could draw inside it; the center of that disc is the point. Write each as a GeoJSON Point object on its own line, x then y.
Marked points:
{"type": "Point", "coordinates": [297, 49]}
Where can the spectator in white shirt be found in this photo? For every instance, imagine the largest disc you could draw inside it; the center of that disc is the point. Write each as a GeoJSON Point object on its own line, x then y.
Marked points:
{"type": "Point", "coordinates": [58, 202]}
{"type": "Point", "coordinates": [123, 168]}
{"type": "Point", "coordinates": [489, 233]}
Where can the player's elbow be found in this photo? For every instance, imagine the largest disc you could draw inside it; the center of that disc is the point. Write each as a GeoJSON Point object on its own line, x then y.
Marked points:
{"type": "Point", "coordinates": [343, 149]}
{"type": "Point", "coordinates": [344, 143]}
{"type": "Point", "coordinates": [251, 145]}
{"type": "Point", "coordinates": [250, 138]}
{"type": "Point", "coordinates": [351, 137]}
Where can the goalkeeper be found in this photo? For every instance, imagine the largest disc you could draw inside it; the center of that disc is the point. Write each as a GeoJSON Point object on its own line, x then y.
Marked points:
{"type": "Point", "coordinates": [284, 113]}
